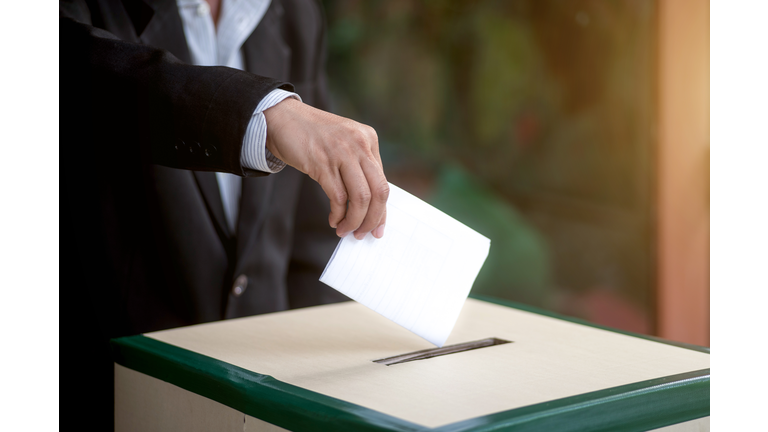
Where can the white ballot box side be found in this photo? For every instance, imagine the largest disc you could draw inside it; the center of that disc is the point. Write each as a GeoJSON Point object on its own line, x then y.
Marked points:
{"type": "Point", "coordinates": [147, 404]}
{"type": "Point", "coordinates": [311, 384]}
{"type": "Point", "coordinates": [256, 395]}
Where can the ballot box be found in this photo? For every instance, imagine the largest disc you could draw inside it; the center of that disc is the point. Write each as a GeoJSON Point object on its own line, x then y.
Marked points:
{"type": "Point", "coordinates": [342, 367]}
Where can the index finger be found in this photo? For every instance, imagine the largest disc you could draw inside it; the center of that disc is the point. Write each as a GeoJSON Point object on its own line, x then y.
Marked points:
{"type": "Point", "coordinates": [359, 195]}
{"type": "Point", "coordinates": [377, 206]}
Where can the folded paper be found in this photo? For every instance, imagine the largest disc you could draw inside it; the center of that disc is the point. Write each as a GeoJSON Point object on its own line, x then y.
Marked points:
{"type": "Point", "coordinates": [419, 274]}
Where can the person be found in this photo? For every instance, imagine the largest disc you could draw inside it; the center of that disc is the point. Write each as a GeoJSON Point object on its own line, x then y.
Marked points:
{"type": "Point", "coordinates": [176, 191]}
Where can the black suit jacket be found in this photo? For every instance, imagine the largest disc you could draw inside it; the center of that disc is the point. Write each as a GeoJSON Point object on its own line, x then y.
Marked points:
{"type": "Point", "coordinates": [142, 132]}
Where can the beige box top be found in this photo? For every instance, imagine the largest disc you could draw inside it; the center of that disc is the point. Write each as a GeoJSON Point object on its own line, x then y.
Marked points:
{"type": "Point", "coordinates": [330, 350]}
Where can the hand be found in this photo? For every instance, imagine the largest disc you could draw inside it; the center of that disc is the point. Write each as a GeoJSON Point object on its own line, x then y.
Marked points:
{"type": "Point", "coordinates": [340, 154]}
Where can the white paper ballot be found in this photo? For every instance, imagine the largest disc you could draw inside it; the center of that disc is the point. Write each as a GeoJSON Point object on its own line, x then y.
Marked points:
{"type": "Point", "coordinates": [419, 274]}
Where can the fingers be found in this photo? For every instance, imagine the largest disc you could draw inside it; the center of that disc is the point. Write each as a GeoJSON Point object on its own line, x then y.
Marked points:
{"type": "Point", "coordinates": [379, 231]}
{"type": "Point", "coordinates": [379, 192]}
{"type": "Point", "coordinates": [367, 190]}
{"type": "Point", "coordinates": [359, 195]}
{"type": "Point", "coordinates": [374, 138]}
{"type": "Point", "coordinates": [334, 188]}
{"type": "Point", "coordinates": [340, 154]}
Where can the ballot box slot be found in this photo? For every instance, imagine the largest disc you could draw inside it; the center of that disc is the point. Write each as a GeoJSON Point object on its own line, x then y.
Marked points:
{"type": "Point", "coordinates": [435, 352]}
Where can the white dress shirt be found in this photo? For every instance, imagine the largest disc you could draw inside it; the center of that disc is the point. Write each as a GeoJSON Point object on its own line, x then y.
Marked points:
{"type": "Point", "coordinates": [209, 46]}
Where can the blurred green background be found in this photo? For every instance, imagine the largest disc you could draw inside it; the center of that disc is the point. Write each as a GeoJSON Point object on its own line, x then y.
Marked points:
{"type": "Point", "coordinates": [530, 121]}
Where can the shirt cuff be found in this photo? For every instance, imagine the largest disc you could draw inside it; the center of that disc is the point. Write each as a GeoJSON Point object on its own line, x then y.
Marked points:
{"type": "Point", "coordinates": [254, 154]}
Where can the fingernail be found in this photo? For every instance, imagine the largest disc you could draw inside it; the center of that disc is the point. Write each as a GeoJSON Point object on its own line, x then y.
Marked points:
{"type": "Point", "coordinates": [359, 235]}
{"type": "Point", "coordinates": [341, 234]}
{"type": "Point", "coordinates": [379, 232]}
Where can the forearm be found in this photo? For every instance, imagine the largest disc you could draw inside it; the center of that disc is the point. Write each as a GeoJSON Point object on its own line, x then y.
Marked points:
{"type": "Point", "coordinates": [181, 116]}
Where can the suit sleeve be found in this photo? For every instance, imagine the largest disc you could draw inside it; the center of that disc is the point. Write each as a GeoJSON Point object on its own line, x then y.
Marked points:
{"type": "Point", "coordinates": [131, 101]}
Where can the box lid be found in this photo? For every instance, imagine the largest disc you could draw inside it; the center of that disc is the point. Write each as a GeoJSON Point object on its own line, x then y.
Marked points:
{"type": "Point", "coordinates": [307, 368]}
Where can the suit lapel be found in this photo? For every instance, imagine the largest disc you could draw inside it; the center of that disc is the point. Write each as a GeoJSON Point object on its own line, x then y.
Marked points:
{"type": "Point", "coordinates": [265, 51]}
{"type": "Point", "coordinates": [209, 188]}
{"type": "Point", "coordinates": [163, 28]}
{"type": "Point", "coordinates": [266, 54]}
{"type": "Point", "coordinates": [254, 206]}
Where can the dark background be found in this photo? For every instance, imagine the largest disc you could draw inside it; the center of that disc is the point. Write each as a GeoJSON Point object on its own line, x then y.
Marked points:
{"type": "Point", "coordinates": [530, 121]}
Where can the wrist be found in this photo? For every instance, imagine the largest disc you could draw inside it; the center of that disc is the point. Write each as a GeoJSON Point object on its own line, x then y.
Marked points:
{"type": "Point", "coordinates": [275, 117]}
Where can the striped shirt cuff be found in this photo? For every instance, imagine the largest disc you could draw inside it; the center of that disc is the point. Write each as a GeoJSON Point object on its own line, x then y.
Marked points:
{"type": "Point", "coordinates": [255, 154]}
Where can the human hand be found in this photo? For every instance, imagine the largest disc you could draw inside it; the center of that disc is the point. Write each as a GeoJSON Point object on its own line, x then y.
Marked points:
{"type": "Point", "coordinates": [340, 154]}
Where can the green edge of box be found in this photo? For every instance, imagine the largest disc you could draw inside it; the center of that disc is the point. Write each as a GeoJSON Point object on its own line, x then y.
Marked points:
{"type": "Point", "coordinates": [255, 394]}
{"type": "Point", "coordinates": [634, 407]}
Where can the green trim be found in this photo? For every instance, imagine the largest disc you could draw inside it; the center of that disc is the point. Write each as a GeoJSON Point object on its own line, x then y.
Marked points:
{"type": "Point", "coordinates": [633, 407]}
{"type": "Point", "coordinates": [257, 395]}
{"type": "Point", "coordinates": [521, 306]}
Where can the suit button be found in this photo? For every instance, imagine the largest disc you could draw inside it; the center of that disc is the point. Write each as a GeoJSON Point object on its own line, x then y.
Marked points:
{"type": "Point", "coordinates": [241, 283]}
{"type": "Point", "coordinates": [203, 9]}
{"type": "Point", "coordinates": [209, 150]}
